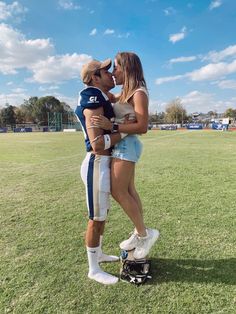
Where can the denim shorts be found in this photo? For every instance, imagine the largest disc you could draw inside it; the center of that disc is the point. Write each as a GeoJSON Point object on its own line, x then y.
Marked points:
{"type": "Point", "coordinates": [129, 148]}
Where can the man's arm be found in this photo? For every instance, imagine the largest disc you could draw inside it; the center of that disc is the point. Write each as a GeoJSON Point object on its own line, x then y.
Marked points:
{"type": "Point", "coordinates": [139, 126]}
{"type": "Point", "coordinates": [96, 134]}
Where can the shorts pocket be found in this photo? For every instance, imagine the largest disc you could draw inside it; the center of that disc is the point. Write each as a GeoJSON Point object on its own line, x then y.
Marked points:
{"type": "Point", "coordinates": [105, 181]}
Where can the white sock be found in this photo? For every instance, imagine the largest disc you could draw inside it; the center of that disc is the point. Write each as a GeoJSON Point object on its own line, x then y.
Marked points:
{"type": "Point", "coordinates": [100, 245]}
{"type": "Point", "coordinates": [103, 278]}
{"type": "Point", "coordinates": [104, 257]}
{"type": "Point", "coordinates": [95, 271]}
{"type": "Point", "coordinates": [92, 253]}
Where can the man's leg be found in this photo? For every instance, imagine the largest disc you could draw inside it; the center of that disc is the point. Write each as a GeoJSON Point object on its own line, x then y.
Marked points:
{"type": "Point", "coordinates": [102, 257]}
{"type": "Point", "coordinates": [93, 233]}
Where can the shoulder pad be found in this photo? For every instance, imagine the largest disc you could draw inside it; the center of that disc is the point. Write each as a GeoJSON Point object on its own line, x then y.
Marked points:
{"type": "Point", "coordinates": [92, 98]}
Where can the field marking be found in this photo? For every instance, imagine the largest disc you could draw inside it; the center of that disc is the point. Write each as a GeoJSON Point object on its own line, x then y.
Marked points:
{"type": "Point", "coordinates": [171, 135]}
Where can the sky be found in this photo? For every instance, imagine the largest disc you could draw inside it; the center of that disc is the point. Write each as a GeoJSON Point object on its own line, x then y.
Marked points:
{"type": "Point", "coordinates": [187, 48]}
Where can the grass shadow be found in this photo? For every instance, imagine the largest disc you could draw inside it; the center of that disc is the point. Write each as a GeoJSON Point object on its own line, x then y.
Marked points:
{"type": "Point", "coordinates": [221, 271]}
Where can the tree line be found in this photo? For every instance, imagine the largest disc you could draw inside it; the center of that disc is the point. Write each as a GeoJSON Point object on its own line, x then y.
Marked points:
{"type": "Point", "coordinates": [175, 113]}
{"type": "Point", "coordinates": [34, 110]}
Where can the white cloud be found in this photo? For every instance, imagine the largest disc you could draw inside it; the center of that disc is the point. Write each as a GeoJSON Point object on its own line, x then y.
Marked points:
{"type": "Point", "coordinates": [227, 84]}
{"type": "Point", "coordinates": [156, 106]}
{"type": "Point", "coordinates": [204, 102]}
{"type": "Point", "coordinates": [14, 98]}
{"type": "Point", "coordinates": [166, 79]}
{"type": "Point", "coordinates": [209, 72]}
{"type": "Point", "coordinates": [19, 90]}
{"type": "Point", "coordinates": [17, 98]}
{"type": "Point", "coordinates": [212, 71]}
{"type": "Point", "coordinates": [93, 32]}
{"type": "Point", "coordinates": [48, 88]}
{"type": "Point", "coordinates": [18, 52]}
{"type": "Point", "coordinates": [59, 68]}
{"type": "Point", "coordinates": [169, 11]}
{"type": "Point", "coordinates": [215, 56]}
{"type": "Point", "coordinates": [8, 11]}
{"type": "Point", "coordinates": [215, 4]}
{"type": "Point", "coordinates": [109, 31]}
{"type": "Point", "coordinates": [126, 35]}
{"type": "Point", "coordinates": [71, 101]}
{"type": "Point", "coordinates": [182, 59]}
{"type": "Point", "coordinates": [178, 36]}
{"type": "Point", "coordinates": [68, 5]}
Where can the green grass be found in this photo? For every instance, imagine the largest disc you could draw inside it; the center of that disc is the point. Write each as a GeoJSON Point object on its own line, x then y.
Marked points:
{"type": "Point", "coordinates": [187, 182]}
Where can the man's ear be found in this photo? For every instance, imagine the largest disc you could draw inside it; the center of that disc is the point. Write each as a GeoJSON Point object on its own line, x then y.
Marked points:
{"type": "Point", "coordinates": [95, 78]}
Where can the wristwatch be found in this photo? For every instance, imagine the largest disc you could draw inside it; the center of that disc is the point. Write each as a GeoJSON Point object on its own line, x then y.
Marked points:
{"type": "Point", "coordinates": [115, 127]}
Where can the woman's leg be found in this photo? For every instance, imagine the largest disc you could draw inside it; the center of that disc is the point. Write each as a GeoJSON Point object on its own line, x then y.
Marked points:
{"type": "Point", "coordinates": [122, 173]}
{"type": "Point", "coordinates": [134, 193]}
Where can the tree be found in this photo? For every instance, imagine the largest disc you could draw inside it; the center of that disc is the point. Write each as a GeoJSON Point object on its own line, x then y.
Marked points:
{"type": "Point", "coordinates": [45, 105]}
{"type": "Point", "coordinates": [36, 109]}
{"type": "Point", "coordinates": [19, 115]}
{"type": "Point", "coordinates": [8, 115]}
{"type": "Point", "coordinates": [175, 112]}
{"type": "Point", "coordinates": [230, 113]}
{"type": "Point", "coordinates": [28, 109]}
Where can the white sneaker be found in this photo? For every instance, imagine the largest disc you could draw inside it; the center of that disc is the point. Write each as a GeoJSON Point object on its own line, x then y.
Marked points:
{"type": "Point", "coordinates": [130, 243]}
{"type": "Point", "coordinates": [145, 243]}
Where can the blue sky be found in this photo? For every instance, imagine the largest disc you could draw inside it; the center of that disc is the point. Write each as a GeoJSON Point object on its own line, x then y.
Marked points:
{"type": "Point", "coordinates": [188, 48]}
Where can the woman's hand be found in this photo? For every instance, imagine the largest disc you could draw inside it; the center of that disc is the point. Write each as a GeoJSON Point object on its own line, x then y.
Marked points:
{"type": "Point", "coordinates": [101, 122]}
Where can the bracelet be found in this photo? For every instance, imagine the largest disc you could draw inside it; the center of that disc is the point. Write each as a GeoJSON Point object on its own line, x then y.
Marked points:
{"type": "Point", "coordinates": [95, 139]}
{"type": "Point", "coordinates": [107, 141]}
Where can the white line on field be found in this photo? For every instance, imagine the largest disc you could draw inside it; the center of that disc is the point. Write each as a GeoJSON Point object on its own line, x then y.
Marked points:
{"type": "Point", "coordinates": [171, 135]}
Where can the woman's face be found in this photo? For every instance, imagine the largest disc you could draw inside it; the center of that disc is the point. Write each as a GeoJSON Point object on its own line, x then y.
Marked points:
{"type": "Point", "coordinates": [118, 73]}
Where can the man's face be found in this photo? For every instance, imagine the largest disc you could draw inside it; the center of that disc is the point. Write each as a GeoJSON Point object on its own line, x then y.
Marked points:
{"type": "Point", "coordinates": [106, 81]}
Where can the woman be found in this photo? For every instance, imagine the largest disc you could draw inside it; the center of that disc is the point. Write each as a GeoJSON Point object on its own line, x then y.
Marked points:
{"type": "Point", "coordinates": [132, 102]}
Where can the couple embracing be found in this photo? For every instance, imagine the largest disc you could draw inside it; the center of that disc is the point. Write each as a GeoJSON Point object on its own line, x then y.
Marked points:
{"type": "Point", "coordinates": [111, 124]}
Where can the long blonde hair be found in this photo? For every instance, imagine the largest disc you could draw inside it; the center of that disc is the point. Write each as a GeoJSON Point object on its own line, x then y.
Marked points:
{"type": "Point", "coordinates": [133, 74]}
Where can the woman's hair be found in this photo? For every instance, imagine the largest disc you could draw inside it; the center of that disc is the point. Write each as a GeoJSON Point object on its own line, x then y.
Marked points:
{"type": "Point", "coordinates": [133, 74]}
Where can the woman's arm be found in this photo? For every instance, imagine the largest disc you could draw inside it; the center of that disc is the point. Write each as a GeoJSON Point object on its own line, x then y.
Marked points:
{"type": "Point", "coordinates": [140, 104]}
{"type": "Point", "coordinates": [140, 126]}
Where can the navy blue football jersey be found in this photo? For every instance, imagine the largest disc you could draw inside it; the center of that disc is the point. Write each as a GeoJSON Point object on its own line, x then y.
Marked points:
{"type": "Point", "coordinates": [92, 98]}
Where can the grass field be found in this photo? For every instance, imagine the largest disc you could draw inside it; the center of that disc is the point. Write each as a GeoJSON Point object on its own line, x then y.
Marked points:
{"type": "Point", "coordinates": [187, 182]}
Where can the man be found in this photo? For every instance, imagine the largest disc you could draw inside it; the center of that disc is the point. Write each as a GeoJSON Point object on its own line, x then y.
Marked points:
{"type": "Point", "coordinates": [95, 169]}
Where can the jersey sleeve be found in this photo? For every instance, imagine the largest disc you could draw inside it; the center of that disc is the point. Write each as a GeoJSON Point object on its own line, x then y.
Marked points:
{"type": "Point", "coordinates": [91, 98]}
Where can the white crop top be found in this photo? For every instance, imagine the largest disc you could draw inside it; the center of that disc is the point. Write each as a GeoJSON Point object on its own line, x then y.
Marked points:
{"type": "Point", "coordinates": [123, 109]}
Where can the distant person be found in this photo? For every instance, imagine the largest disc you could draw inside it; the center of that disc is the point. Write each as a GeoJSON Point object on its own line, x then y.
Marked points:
{"type": "Point", "coordinates": [95, 169]}
{"type": "Point", "coordinates": [132, 102]}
